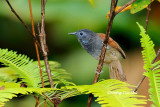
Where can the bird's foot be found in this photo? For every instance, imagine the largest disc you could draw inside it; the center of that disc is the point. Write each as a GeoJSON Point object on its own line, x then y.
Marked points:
{"type": "Point", "coordinates": [98, 72]}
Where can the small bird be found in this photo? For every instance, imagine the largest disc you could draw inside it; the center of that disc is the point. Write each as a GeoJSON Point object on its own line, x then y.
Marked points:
{"type": "Point", "coordinates": [93, 42]}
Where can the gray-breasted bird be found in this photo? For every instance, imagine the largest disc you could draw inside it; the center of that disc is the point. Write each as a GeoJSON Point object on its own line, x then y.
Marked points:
{"type": "Point", "coordinates": [93, 42]}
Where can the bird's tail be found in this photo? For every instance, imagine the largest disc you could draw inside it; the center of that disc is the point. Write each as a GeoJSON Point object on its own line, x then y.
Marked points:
{"type": "Point", "coordinates": [116, 71]}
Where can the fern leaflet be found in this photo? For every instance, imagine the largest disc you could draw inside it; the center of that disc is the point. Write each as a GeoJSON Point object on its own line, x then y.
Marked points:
{"type": "Point", "coordinates": [111, 93]}
{"type": "Point", "coordinates": [153, 70]}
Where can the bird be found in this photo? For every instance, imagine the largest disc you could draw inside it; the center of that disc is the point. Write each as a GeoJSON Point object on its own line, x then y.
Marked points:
{"type": "Point", "coordinates": [93, 43]}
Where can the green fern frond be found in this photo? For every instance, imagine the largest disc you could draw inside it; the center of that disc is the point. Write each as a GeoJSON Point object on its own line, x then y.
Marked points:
{"type": "Point", "coordinates": [148, 48]}
{"type": "Point", "coordinates": [22, 65]}
{"type": "Point", "coordinates": [12, 89]}
{"type": "Point", "coordinates": [8, 75]}
{"type": "Point", "coordinates": [59, 75]}
{"type": "Point", "coordinates": [112, 93]}
{"type": "Point", "coordinates": [154, 89]}
{"type": "Point", "coordinates": [62, 94]}
{"type": "Point", "coordinates": [28, 70]}
{"type": "Point", "coordinates": [153, 70]}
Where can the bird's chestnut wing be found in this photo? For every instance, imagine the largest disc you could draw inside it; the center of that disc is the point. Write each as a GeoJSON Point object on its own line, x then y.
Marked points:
{"type": "Point", "coordinates": [113, 43]}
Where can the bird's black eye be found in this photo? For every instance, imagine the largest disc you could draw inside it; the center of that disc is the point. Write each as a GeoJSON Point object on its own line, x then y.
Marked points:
{"type": "Point", "coordinates": [81, 33]}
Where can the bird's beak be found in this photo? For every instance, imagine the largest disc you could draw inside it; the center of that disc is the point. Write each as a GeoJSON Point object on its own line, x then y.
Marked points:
{"type": "Point", "coordinates": [73, 33]}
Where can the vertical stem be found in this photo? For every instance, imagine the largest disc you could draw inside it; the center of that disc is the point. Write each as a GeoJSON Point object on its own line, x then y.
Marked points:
{"type": "Point", "coordinates": [103, 51]}
{"type": "Point", "coordinates": [149, 9]}
{"type": "Point", "coordinates": [43, 42]}
{"type": "Point", "coordinates": [37, 52]}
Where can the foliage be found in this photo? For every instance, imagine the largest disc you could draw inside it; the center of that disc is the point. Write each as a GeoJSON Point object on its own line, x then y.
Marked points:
{"type": "Point", "coordinates": [112, 93]}
{"type": "Point", "coordinates": [59, 75]}
{"type": "Point", "coordinates": [117, 8]}
{"type": "Point", "coordinates": [138, 5]}
{"type": "Point", "coordinates": [148, 52]}
{"type": "Point", "coordinates": [28, 70]}
{"type": "Point", "coordinates": [11, 90]}
{"type": "Point", "coordinates": [152, 70]}
{"type": "Point", "coordinates": [8, 75]}
{"type": "Point", "coordinates": [92, 2]}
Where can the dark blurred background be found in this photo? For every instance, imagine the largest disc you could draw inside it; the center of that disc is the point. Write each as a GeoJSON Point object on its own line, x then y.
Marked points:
{"type": "Point", "coordinates": [64, 16]}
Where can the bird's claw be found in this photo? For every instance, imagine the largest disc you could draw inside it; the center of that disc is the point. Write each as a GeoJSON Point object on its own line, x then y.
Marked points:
{"type": "Point", "coordinates": [98, 72]}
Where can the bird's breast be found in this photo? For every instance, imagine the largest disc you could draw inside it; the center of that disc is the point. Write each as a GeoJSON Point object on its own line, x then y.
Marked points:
{"type": "Point", "coordinates": [111, 53]}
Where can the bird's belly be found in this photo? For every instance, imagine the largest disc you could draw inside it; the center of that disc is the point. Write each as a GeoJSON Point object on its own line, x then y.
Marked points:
{"type": "Point", "coordinates": [111, 55]}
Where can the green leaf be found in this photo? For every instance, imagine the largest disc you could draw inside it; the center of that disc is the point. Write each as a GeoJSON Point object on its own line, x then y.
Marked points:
{"type": "Point", "coordinates": [28, 70]}
{"type": "Point", "coordinates": [92, 2]}
{"type": "Point", "coordinates": [113, 93]}
{"type": "Point", "coordinates": [154, 84]}
{"type": "Point", "coordinates": [153, 75]}
{"type": "Point", "coordinates": [138, 5]}
{"type": "Point", "coordinates": [148, 46]}
{"type": "Point", "coordinates": [12, 89]}
{"type": "Point", "coordinates": [8, 75]}
{"type": "Point", "coordinates": [59, 75]}
{"type": "Point", "coordinates": [22, 65]}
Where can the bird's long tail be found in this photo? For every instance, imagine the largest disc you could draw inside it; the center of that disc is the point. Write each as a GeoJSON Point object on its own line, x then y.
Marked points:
{"type": "Point", "coordinates": [116, 71]}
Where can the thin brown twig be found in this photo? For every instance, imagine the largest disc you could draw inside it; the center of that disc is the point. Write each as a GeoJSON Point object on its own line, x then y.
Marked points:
{"type": "Point", "coordinates": [37, 101]}
{"type": "Point", "coordinates": [146, 26]}
{"type": "Point", "coordinates": [37, 52]}
{"type": "Point", "coordinates": [149, 9]}
{"type": "Point", "coordinates": [42, 37]}
{"type": "Point", "coordinates": [15, 13]}
{"type": "Point", "coordinates": [48, 98]}
{"type": "Point", "coordinates": [103, 51]}
{"type": "Point", "coordinates": [52, 101]}
{"type": "Point", "coordinates": [124, 6]}
{"type": "Point", "coordinates": [141, 81]}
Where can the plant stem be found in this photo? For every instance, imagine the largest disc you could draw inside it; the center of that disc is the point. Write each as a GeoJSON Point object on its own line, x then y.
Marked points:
{"type": "Point", "coordinates": [37, 52]}
{"type": "Point", "coordinates": [37, 101]}
{"type": "Point", "coordinates": [146, 25]}
{"type": "Point", "coordinates": [124, 6]}
{"type": "Point", "coordinates": [42, 37]}
{"type": "Point", "coordinates": [139, 84]}
{"type": "Point", "coordinates": [149, 9]}
{"type": "Point", "coordinates": [103, 51]}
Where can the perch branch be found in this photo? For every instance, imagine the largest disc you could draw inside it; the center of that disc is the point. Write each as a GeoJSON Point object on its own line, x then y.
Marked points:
{"type": "Point", "coordinates": [15, 13]}
{"type": "Point", "coordinates": [124, 6]}
{"type": "Point", "coordinates": [146, 25]}
{"type": "Point", "coordinates": [103, 51]}
{"type": "Point", "coordinates": [42, 37]}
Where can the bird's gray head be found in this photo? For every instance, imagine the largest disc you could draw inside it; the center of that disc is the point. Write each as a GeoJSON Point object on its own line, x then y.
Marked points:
{"type": "Point", "coordinates": [84, 36]}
